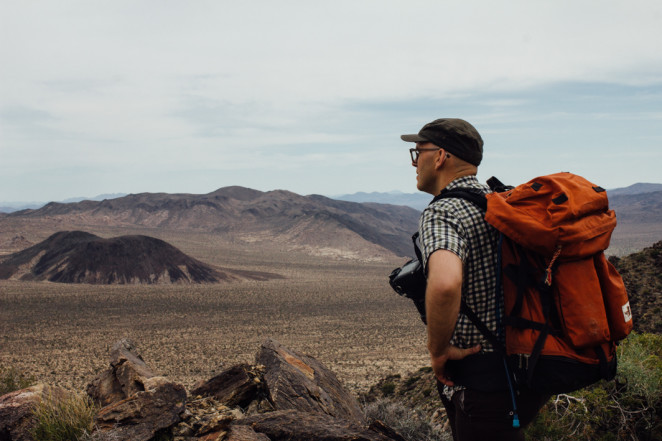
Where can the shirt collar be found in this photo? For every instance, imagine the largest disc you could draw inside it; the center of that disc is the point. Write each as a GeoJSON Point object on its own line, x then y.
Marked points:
{"type": "Point", "coordinates": [469, 181]}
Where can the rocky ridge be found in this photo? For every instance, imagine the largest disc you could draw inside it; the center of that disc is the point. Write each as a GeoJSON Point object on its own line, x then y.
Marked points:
{"type": "Point", "coordinates": [283, 396]}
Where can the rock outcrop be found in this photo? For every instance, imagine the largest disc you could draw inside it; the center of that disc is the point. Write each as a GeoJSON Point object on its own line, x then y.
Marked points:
{"type": "Point", "coordinates": [144, 414]}
{"type": "Point", "coordinates": [294, 425]}
{"type": "Point", "coordinates": [284, 396]}
{"type": "Point", "coordinates": [237, 386]}
{"type": "Point", "coordinates": [126, 376]}
{"type": "Point", "coordinates": [302, 383]}
{"type": "Point", "coordinates": [136, 403]}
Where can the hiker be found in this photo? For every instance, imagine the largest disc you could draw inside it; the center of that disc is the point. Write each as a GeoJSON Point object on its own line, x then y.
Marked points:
{"type": "Point", "coordinates": [459, 256]}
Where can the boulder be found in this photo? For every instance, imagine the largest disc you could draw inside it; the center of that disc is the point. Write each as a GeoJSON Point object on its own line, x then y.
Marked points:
{"type": "Point", "coordinates": [295, 425]}
{"type": "Point", "coordinates": [245, 433]}
{"type": "Point", "coordinates": [136, 404]}
{"type": "Point", "coordinates": [16, 410]}
{"type": "Point", "coordinates": [236, 386]}
{"type": "Point", "coordinates": [205, 418]}
{"type": "Point", "coordinates": [298, 382]}
{"type": "Point", "coordinates": [125, 377]}
{"type": "Point", "coordinates": [142, 415]}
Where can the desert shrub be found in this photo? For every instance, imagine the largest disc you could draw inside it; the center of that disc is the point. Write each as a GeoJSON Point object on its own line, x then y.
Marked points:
{"type": "Point", "coordinates": [411, 381]}
{"type": "Point", "coordinates": [11, 380]}
{"type": "Point", "coordinates": [65, 419]}
{"type": "Point", "coordinates": [412, 425]}
{"type": "Point", "coordinates": [387, 388]}
{"type": "Point", "coordinates": [625, 409]}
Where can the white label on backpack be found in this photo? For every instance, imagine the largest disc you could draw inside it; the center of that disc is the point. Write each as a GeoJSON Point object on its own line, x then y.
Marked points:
{"type": "Point", "coordinates": [627, 312]}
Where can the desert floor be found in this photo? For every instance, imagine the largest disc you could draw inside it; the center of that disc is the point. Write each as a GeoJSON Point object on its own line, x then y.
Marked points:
{"type": "Point", "coordinates": [340, 311]}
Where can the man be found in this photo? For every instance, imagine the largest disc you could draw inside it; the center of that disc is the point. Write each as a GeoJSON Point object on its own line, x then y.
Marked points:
{"type": "Point", "coordinates": [459, 251]}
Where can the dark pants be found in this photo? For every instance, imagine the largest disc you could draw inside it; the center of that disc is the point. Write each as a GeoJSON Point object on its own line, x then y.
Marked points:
{"type": "Point", "coordinates": [488, 416]}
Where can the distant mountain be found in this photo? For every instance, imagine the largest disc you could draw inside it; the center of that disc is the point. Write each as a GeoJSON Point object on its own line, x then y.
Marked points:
{"type": "Point", "coordinates": [80, 257]}
{"type": "Point", "coordinates": [637, 188]}
{"type": "Point", "coordinates": [640, 208]}
{"type": "Point", "coordinates": [10, 207]}
{"type": "Point", "coordinates": [420, 200]}
{"type": "Point", "coordinates": [417, 201]}
{"type": "Point", "coordinates": [310, 223]}
{"type": "Point", "coordinates": [100, 197]}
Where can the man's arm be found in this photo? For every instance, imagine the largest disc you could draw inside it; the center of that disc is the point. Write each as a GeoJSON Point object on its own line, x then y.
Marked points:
{"type": "Point", "coordinates": [442, 305]}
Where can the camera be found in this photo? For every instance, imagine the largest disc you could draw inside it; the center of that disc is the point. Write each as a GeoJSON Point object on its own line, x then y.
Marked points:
{"type": "Point", "coordinates": [409, 281]}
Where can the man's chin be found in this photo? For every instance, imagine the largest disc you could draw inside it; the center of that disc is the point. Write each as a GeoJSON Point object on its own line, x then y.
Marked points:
{"type": "Point", "coordinates": [424, 190]}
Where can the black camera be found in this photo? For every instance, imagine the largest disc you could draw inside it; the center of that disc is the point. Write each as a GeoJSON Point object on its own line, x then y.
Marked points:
{"type": "Point", "coordinates": [409, 281]}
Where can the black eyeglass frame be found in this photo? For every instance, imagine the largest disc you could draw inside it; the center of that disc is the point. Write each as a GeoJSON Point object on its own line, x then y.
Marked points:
{"type": "Point", "coordinates": [415, 152]}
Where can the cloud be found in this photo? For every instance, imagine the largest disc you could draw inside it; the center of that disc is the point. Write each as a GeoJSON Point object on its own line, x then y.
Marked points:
{"type": "Point", "coordinates": [312, 90]}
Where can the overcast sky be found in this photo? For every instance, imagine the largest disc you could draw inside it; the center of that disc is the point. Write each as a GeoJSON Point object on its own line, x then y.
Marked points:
{"type": "Point", "coordinates": [312, 97]}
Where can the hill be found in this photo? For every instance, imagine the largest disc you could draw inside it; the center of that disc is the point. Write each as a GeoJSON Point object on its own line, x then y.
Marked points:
{"type": "Point", "coordinates": [80, 257]}
{"type": "Point", "coordinates": [638, 188]}
{"type": "Point", "coordinates": [314, 223]}
{"type": "Point", "coordinates": [642, 274]}
{"type": "Point", "coordinates": [639, 222]}
{"type": "Point", "coordinates": [641, 208]}
{"type": "Point", "coordinates": [417, 201]}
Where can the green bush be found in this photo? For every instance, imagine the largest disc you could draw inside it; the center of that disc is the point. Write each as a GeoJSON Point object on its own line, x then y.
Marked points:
{"type": "Point", "coordinates": [11, 380]}
{"type": "Point", "coordinates": [625, 409]}
{"type": "Point", "coordinates": [65, 419]}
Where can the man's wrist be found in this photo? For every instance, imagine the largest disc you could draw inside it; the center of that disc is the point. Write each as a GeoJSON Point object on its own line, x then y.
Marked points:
{"type": "Point", "coordinates": [439, 353]}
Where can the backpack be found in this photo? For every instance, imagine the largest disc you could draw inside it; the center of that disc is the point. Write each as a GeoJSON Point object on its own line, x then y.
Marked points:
{"type": "Point", "coordinates": [566, 306]}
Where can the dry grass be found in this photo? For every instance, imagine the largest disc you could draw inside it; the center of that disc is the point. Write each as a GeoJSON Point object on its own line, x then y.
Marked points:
{"type": "Point", "coordinates": [63, 418]}
{"type": "Point", "coordinates": [339, 311]}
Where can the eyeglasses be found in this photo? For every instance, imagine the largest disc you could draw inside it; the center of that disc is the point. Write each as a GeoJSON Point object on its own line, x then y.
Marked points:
{"type": "Point", "coordinates": [414, 153]}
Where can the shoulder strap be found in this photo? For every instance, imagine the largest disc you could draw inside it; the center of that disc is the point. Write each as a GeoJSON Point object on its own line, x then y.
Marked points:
{"type": "Point", "coordinates": [480, 201]}
{"type": "Point", "coordinates": [468, 194]}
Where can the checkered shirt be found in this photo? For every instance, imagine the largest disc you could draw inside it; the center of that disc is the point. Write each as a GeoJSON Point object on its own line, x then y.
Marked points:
{"type": "Point", "coordinates": [458, 226]}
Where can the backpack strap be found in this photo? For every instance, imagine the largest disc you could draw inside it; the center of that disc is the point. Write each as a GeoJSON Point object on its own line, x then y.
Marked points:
{"type": "Point", "coordinates": [480, 201]}
{"type": "Point", "coordinates": [478, 323]}
{"type": "Point", "coordinates": [468, 194]}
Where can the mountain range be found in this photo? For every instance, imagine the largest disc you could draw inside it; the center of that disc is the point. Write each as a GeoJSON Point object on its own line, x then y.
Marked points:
{"type": "Point", "coordinates": [416, 200]}
{"type": "Point", "coordinates": [314, 224]}
{"type": "Point", "coordinates": [420, 200]}
{"type": "Point", "coordinates": [307, 222]}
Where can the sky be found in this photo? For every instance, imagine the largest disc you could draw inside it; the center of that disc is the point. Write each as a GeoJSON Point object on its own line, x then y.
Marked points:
{"type": "Point", "coordinates": [101, 97]}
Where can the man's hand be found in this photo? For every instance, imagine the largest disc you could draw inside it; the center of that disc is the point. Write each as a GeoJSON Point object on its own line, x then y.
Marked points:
{"type": "Point", "coordinates": [452, 353]}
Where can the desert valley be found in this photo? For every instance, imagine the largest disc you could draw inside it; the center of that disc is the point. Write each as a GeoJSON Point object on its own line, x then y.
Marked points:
{"type": "Point", "coordinates": [329, 295]}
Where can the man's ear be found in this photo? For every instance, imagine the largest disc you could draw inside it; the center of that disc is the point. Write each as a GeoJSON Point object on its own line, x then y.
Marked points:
{"type": "Point", "coordinates": [440, 159]}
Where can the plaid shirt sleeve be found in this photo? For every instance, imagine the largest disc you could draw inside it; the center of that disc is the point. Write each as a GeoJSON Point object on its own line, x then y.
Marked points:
{"type": "Point", "coordinates": [441, 229]}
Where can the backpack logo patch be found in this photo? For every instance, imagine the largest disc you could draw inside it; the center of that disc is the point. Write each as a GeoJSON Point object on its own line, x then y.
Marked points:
{"type": "Point", "coordinates": [627, 312]}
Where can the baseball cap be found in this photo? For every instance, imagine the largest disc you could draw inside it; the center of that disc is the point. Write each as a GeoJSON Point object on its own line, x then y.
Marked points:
{"type": "Point", "coordinates": [454, 135]}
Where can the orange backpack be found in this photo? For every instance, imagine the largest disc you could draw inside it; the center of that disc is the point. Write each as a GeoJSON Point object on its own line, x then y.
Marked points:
{"type": "Point", "coordinates": [565, 305]}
